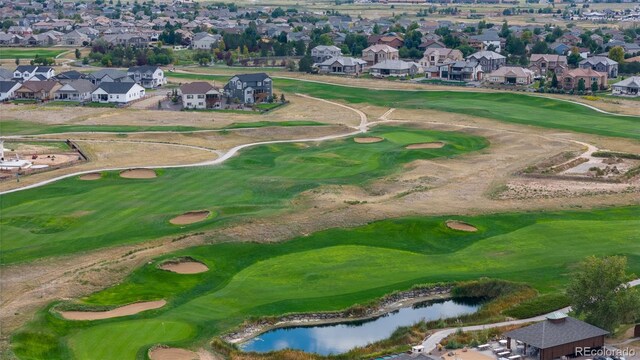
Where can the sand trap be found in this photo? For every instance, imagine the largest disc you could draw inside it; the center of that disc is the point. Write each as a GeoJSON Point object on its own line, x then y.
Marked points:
{"type": "Point", "coordinates": [91, 176]}
{"type": "Point", "coordinates": [138, 174]}
{"type": "Point", "coordinates": [184, 266]}
{"type": "Point", "coordinates": [190, 217]}
{"type": "Point", "coordinates": [126, 310]}
{"type": "Point", "coordinates": [367, 140]}
{"type": "Point", "coordinates": [168, 353]}
{"type": "Point", "coordinates": [461, 226]}
{"type": "Point", "coordinates": [429, 145]}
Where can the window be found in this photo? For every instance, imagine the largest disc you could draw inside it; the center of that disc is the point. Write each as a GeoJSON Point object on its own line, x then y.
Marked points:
{"type": "Point", "coordinates": [200, 103]}
{"type": "Point", "coordinates": [259, 83]}
{"type": "Point", "coordinates": [200, 96]}
{"type": "Point", "coordinates": [189, 96]}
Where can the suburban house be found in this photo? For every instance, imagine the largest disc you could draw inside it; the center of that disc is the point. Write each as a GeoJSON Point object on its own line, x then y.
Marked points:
{"type": "Point", "coordinates": [541, 64]}
{"type": "Point", "coordinates": [8, 89]}
{"type": "Point", "coordinates": [489, 60]}
{"type": "Point", "coordinates": [38, 90]}
{"type": "Point", "coordinates": [6, 74]}
{"type": "Point", "coordinates": [557, 336]}
{"type": "Point", "coordinates": [395, 68]}
{"type": "Point", "coordinates": [204, 41]}
{"type": "Point", "coordinates": [75, 90]}
{"type": "Point", "coordinates": [461, 71]}
{"type": "Point", "coordinates": [600, 64]}
{"type": "Point", "coordinates": [75, 38]}
{"type": "Point", "coordinates": [435, 56]}
{"type": "Point", "coordinates": [342, 66]}
{"type": "Point", "coordinates": [199, 95]}
{"type": "Point", "coordinates": [627, 87]}
{"type": "Point", "coordinates": [117, 92]}
{"type": "Point", "coordinates": [571, 79]}
{"type": "Point", "coordinates": [250, 88]}
{"type": "Point", "coordinates": [391, 40]}
{"type": "Point", "coordinates": [510, 75]}
{"type": "Point", "coordinates": [149, 76]}
{"type": "Point", "coordinates": [321, 53]}
{"type": "Point", "coordinates": [489, 40]}
{"type": "Point", "coordinates": [109, 75]}
{"type": "Point", "coordinates": [26, 72]}
{"type": "Point", "coordinates": [70, 75]}
{"type": "Point", "coordinates": [378, 53]}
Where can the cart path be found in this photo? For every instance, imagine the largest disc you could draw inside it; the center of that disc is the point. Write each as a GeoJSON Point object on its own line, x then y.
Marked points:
{"type": "Point", "coordinates": [363, 127]}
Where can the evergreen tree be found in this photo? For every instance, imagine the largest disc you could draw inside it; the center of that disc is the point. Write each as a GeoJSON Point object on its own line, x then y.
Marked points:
{"type": "Point", "coordinates": [554, 81]}
{"type": "Point", "coordinates": [581, 85]}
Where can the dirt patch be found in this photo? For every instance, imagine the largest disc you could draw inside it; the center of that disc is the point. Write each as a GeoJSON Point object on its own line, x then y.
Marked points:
{"type": "Point", "coordinates": [91, 176]}
{"type": "Point", "coordinates": [428, 145]}
{"type": "Point", "coordinates": [190, 217]}
{"type": "Point", "coordinates": [138, 174]}
{"type": "Point", "coordinates": [169, 353]}
{"type": "Point", "coordinates": [367, 140]}
{"type": "Point", "coordinates": [126, 310]}
{"type": "Point", "coordinates": [460, 226]}
{"type": "Point", "coordinates": [184, 266]}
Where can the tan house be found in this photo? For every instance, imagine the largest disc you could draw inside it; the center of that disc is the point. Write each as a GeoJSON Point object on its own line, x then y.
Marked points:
{"type": "Point", "coordinates": [200, 95]}
{"type": "Point", "coordinates": [540, 64]}
{"type": "Point", "coordinates": [510, 75]}
{"type": "Point", "coordinates": [38, 90]}
{"type": "Point", "coordinates": [571, 79]}
{"type": "Point", "coordinates": [378, 53]}
{"type": "Point", "coordinates": [435, 56]}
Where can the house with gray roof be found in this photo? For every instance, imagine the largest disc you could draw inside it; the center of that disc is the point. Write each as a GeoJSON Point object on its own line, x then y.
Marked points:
{"type": "Point", "coordinates": [600, 64]}
{"type": "Point", "coordinates": [109, 75]}
{"type": "Point", "coordinates": [8, 89]}
{"type": "Point", "coordinates": [249, 88]}
{"type": "Point", "coordinates": [396, 68]}
{"type": "Point", "coordinates": [5, 74]}
{"type": "Point", "coordinates": [75, 90]}
{"type": "Point", "coordinates": [205, 41]}
{"type": "Point", "coordinates": [149, 76]}
{"type": "Point", "coordinates": [117, 92]}
{"type": "Point", "coordinates": [627, 87]}
{"type": "Point", "coordinates": [341, 65]}
{"type": "Point", "coordinates": [488, 60]}
{"type": "Point", "coordinates": [321, 53]}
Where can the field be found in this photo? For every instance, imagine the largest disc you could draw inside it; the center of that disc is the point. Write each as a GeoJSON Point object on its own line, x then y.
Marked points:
{"type": "Point", "coordinates": [21, 53]}
{"type": "Point", "coordinates": [330, 270]}
{"type": "Point", "coordinates": [38, 223]}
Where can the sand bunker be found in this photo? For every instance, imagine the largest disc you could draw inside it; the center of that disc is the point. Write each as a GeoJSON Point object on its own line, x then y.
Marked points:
{"type": "Point", "coordinates": [138, 174]}
{"type": "Point", "coordinates": [190, 217]}
{"type": "Point", "coordinates": [428, 145]}
{"type": "Point", "coordinates": [167, 353]}
{"type": "Point", "coordinates": [367, 140]}
{"type": "Point", "coordinates": [461, 226]}
{"type": "Point", "coordinates": [91, 176]}
{"type": "Point", "coordinates": [126, 310]}
{"type": "Point", "coordinates": [184, 266]}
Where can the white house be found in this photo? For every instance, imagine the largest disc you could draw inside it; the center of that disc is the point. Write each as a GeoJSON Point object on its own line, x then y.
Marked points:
{"type": "Point", "coordinates": [199, 95]}
{"type": "Point", "coordinates": [75, 90]}
{"type": "Point", "coordinates": [322, 53]}
{"type": "Point", "coordinates": [627, 87]}
{"type": "Point", "coordinates": [8, 89]}
{"type": "Point", "coordinates": [149, 76]}
{"type": "Point", "coordinates": [24, 72]}
{"type": "Point", "coordinates": [117, 92]}
{"type": "Point", "coordinates": [204, 41]}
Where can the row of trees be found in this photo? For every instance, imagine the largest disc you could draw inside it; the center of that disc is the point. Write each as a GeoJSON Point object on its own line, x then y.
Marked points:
{"type": "Point", "coordinates": [121, 55]}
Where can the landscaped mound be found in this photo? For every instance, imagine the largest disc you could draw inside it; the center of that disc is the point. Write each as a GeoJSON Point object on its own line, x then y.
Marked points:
{"type": "Point", "coordinates": [169, 353]}
{"type": "Point", "coordinates": [460, 226]}
{"type": "Point", "coordinates": [91, 176]}
{"type": "Point", "coordinates": [138, 174]}
{"type": "Point", "coordinates": [428, 145]}
{"type": "Point", "coordinates": [126, 310]}
{"type": "Point", "coordinates": [367, 140]}
{"type": "Point", "coordinates": [190, 217]}
{"type": "Point", "coordinates": [185, 265]}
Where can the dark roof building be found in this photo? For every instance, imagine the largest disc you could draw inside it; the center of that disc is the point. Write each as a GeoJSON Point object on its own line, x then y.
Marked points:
{"type": "Point", "coordinates": [558, 335]}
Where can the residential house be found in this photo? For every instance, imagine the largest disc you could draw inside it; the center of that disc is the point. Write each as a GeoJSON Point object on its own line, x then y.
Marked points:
{"type": "Point", "coordinates": [627, 87]}
{"type": "Point", "coordinates": [395, 68]}
{"type": "Point", "coordinates": [75, 90]}
{"type": "Point", "coordinates": [8, 89]}
{"type": "Point", "coordinates": [149, 76]}
{"type": "Point", "coordinates": [5, 74]}
{"type": "Point", "coordinates": [45, 71]}
{"type": "Point", "coordinates": [199, 95]}
{"type": "Point", "coordinates": [435, 56]}
{"type": "Point", "coordinates": [380, 52]}
{"type": "Point", "coordinates": [510, 75]}
{"type": "Point", "coordinates": [341, 65]}
{"type": "Point", "coordinates": [250, 88]}
{"type": "Point", "coordinates": [572, 78]}
{"type": "Point", "coordinates": [204, 41]}
{"type": "Point", "coordinates": [67, 76]}
{"type": "Point", "coordinates": [489, 40]}
{"type": "Point", "coordinates": [117, 92]}
{"type": "Point", "coordinates": [489, 60]}
{"type": "Point", "coordinates": [75, 38]}
{"type": "Point", "coordinates": [126, 40]}
{"type": "Point", "coordinates": [321, 53]}
{"type": "Point", "coordinates": [109, 75]}
{"type": "Point", "coordinates": [541, 64]}
{"type": "Point", "coordinates": [600, 64]}
{"type": "Point", "coordinates": [24, 72]}
{"type": "Point", "coordinates": [38, 90]}
{"type": "Point", "coordinates": [392, 40]}
{"type": "Point", "coordinates": [469, 70]}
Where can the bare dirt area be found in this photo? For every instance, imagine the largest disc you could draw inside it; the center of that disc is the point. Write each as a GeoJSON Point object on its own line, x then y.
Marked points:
{"type": "Point", "coordinates": [460, 226]}
{"type": "Point", "coordinates": [184, 266]}
{"type": "Point", "coordinates": [138, 174]}
{"type": "Point", "coordinates": [429, 145]}
{"type": "Point", "coordinates": [91, 176]}
{"type": "Point", "coordinates": [169, 353]}
{"type": "Point", "coordinates": [367, 140]}
{"type": "Point", "coordinates": [190, 217]}
{"type": "Point", "coordinates": [126, 310]}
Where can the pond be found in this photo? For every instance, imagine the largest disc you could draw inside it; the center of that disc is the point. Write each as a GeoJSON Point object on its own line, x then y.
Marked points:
{"type": "Point", "coordinates": [342, 337]}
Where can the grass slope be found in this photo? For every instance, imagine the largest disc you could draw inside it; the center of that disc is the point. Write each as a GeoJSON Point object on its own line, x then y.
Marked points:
{"type": "Point", "coordinates": [70, 215]}
{"type": "Point", "coordinates": [331, 270]}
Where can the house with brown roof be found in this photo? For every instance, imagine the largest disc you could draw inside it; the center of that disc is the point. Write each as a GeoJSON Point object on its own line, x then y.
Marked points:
{"type": "Point", "coordinates": [390, 39]}
{"type": "Point", "coordinates": [541, 64]}
{"type": "Point", "coordinates": [571, 79]}
{"type": "Point", "coordinates": [200, 95]}
{"type": "Point", "coordinates": [38, 90]}
{"type": "Point", "coordinates": [435, 56]}
{"type": "Point", "coordinates": [510, 75]}
{"type": "Point", "coordinates": [378, 53]}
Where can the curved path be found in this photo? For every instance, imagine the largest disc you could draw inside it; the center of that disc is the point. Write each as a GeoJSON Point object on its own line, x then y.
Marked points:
{"type": "Point", "coordinates": [225, 156]}
{"type": "Point", "coordinates": [432, 341]}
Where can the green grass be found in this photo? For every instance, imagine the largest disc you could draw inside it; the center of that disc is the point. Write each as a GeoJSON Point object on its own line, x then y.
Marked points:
{"type": "Point", "coordinates": [21, 53]}
{"type": "Point", "coordinates": [540, 305]}
{"type": "Point", "coordinates": [10, 127]}
{"type": "Point", "coordinates": [258, 124]}
{"type": "Point", "coordinates": [507, 107]}
{"type": "Point", "coordinates": [332, 270]}
{"type": "Point", "coordinates": [260, 181]}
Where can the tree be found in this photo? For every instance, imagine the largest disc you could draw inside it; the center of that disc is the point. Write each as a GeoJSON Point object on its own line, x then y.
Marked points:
{"type": "Point", "coordinates": [554, 81]}
{"type": "Point", "coordinates": [581, 85]}
{"type": "Point", "coordinates": [17, 61]}
{"type": "Point", "coordinates": [616, 53]}
{"type": "Point", "coordinates": [305, 64]}
{"type": "Point", "coordinates": [282, 98]}
{"type": "Point", "coordinates": [594, 86]}
{"type": "Point", "coordinates": [599, 292]}
{"type": "Point", "coordinates": [376, 28]}
{"type": "Point", "coordinates": [78, 55]}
